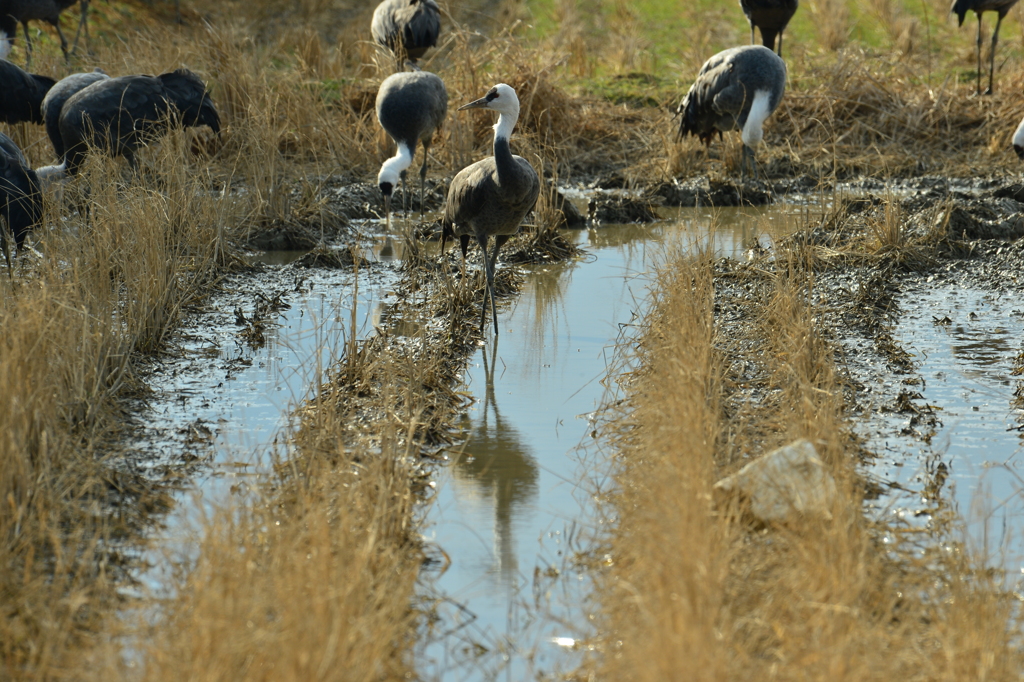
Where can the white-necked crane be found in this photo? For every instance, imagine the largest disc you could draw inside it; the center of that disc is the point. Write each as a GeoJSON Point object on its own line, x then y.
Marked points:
{"type": "Point", "coordinates": [771, 16]}
{"type": "Point", "coordinates": [21, 202]}
{"type": "Point", "coordinates": [23, 94]}
{"type": "Point", "coordinates": [737, 89]}
{"type": "Point", "coordinates": [406, 27]}
{"type": "Point", "coordinates": [55, 99]}
{"type": "Point", "coordinates": [410, 107]}
{"type": "Point", "coordinates": [1018, 140]}
{"type": "Point", "coordinates": [491, 197]}
{"type": "Point", "coordinates": [961, 7]}
{"type": "Point", "coordinates": [13, 12]}
{"type": "Point", "coordinates": [118, 115]}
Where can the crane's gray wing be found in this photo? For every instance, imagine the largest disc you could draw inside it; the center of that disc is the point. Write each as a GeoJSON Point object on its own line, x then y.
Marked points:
{"type": "Point", "coordinates": [55, 99]}
{"type": "Point", "coordinates": [423, 24]}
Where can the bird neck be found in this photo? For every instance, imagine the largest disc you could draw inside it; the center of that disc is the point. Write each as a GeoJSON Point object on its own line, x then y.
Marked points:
{"type": "Point", "coordinates": [502, 133]}
{"type": "Point", "coordinates": [394, 166]}
{"type": "Point", "coordinates": [760, 109]}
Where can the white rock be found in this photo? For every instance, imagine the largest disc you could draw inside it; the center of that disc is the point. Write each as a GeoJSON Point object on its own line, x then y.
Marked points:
{"type": "Point", "coordinates": [787, 482]}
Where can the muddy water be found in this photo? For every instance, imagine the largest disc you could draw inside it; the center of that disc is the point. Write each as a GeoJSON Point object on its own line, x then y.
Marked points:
{"type": "Point", "coordinates": [964, 425]}
{"type": "Point", "coordinates": [515, 503]}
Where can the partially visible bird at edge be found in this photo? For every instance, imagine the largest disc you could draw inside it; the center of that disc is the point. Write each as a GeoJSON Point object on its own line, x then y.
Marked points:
{"type": "Point", "coordinates": [1001, 8]}
{"type": "Point", "coordinates": [410, 107]}
{"type": "Point", "coordinates": [771, 16]}
{"type": "Point", "coordinates": [1018, 140]}
{"type": "Point", "coordinates": [21, 202]}
{"type": "Point", "coordinates": [737, 89]}
{"type": "Point", "coordinates": [406, 27]}
{"type": "Point", "coordinates": [13, 12]}
{"type": "Point", "coordinates": [23, 94]}
{"type": "Point", "coordinates": [491, 197]}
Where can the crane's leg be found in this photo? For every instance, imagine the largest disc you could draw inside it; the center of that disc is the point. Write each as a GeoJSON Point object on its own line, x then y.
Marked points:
{"type": "Point", "coordinates": [992, 56]}
{"type": "Point", "coordinates": [779, 51]}
{"type": "Point", "coordinates": [979, 53]}
{"type": "Point", "coordinates": [751, 33]}
{"type": "Point", "coordinates": [5, 244]}
{"type": "Point", "coordinates": [63, 42]}
{"type": "Point", "coordinates": [423, 174]}
{"type": "Point", "coordinates": [83, 24]}
{"type": "Point", "coordinates": [28, 46]}
{"type": "Point", "coordinates": [405, 196]}
{"type": "Point", "coordinates": [499, 240]}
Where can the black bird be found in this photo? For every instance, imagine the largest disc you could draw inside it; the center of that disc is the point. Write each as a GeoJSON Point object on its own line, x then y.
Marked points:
{"type": "Point", "coordinates": [737, 89]}
{"type": "Point", "coordinates": [410, 107]}
{"type": "Point", "coordinates": [406, 27]}
{"type": "Point", "coordinates": [21, 202]}
{"type": "Point", "coordinates": [23, 94]}
{"type": "Point", "coordinates": [55, 99]}
{"type": "Point", "coordinates": [13, 12]}
{"type": "Point", "coordinates": [1001, 7]}
{"type": "Point", "coordinates": [771, 16]}
{"type": "Point", "coordinates": [120, 114]}
{"type": "Point", "coordinates": [492, 196]}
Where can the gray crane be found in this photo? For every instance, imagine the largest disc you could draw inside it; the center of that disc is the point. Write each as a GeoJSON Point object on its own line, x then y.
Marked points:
{"type": "Point", "coordinates": [410, 107]}
{"type": "Point", "coordinates": [23, 94]}
{"type": "Point", "coordinates": [13, 12]}
{"type": "Point", "coordinates": [1001, 7]}
{"type": "Point", "coordinates": [737, 89]}
{"type": "Point", "coordinates": [406, 27]}
{"type": "Point", "coordinates": [55, 99]}
{"type": "Point", "coordinates": [121, 114]}
{"type": "Point", "coordinates": [21, 202]}
{"type": "Point", "coordinates": [771, 16]}
{"type": "Point", "coordinates": [492, 196]}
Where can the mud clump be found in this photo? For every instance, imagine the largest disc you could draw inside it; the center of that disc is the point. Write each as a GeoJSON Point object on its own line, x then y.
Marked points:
{"type": "Point", "coordinates": [621, 210]}
{"type": "Point", "coordinates": [706, 192]}
{"type": "Point", "coordinates": [325, 257]}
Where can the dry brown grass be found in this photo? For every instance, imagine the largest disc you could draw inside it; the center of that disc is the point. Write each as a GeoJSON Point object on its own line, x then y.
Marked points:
{"type": "Point", "coordinates": [693, 592]}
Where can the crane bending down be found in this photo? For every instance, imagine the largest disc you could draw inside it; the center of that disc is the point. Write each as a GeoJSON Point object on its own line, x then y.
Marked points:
{"type": "Point", "coordinates": [54, 101]}
{"type": "Point", "coordinates": [737, 89]}
{"type": "Point", "coordinates": [1001, 7]}
{"type": "Point", "coordinates": [21, 202]}
{"type": "Point", "coordinates": [492, 196]}
{"type": "Point", "coordinates": [121, 114]}
{"type": "Point", "coordinates": [13, 12]}
{"type": "Point", "coordinates": [771, 16]}
{"type": "Point", "coordinates": [406, 27]}
{"type": "Point", "coordinates": [23, 94]}
{"type": "Point", "coordinates": [410, 107]}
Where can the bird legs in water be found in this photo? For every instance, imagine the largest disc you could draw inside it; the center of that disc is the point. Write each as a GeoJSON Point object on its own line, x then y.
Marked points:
{"type": "Point", "coordinates": [423, 174]}
{"type": "Point", "coordinates": [748, 157]}
{"type": "Point", "coordinates": [489, 264]}
{"type": "Point", "coordinates": [992, 54]}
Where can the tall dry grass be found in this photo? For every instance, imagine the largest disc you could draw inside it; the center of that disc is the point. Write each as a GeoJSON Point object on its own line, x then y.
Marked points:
{"type": "Point", "coordinates": [693, 591]}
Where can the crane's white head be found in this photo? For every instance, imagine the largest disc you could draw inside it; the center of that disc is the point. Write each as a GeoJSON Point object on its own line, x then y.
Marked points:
{"type": "Point", "coordinates": [1018, 140]}
{"type": "Point", "coordinates": [390, 173]}
{"type": "Point", "coordinates": [501, 98]}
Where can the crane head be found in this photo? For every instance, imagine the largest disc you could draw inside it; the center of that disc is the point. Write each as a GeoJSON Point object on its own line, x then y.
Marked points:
{"type": "Point", "coordinates": [501, 98]}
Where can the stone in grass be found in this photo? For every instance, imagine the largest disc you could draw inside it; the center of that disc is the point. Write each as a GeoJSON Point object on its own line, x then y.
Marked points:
{"type": "Point", "coordinates": [787, 483]}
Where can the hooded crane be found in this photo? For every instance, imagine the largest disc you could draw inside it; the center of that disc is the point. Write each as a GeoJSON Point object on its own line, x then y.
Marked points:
{"type": "Point", "coordinates": [121, 114]}
{"type": "Point", "coordinates": [410, 107]}
{"type": "Point", "coordinates": [55, 99]}
{"type": "Point", "coordinates": [771, 16]}
{"type": "Point", "coordinates": [737, 89]}
{"type": "Point", "coordinates": [406, 27]}
{"type": "Point", "coordinates": [13, 12]}
{"type": "Point", "coordinates": [1001, 7]}
{"type": "Point", "coordinates": [21, 203]}
{"type": "Point", "coordinates": [23, 94]}
{"type": "Point", "coordinates": [1018, 140]}
{"type": "Point", "coordinates": [492, 196]}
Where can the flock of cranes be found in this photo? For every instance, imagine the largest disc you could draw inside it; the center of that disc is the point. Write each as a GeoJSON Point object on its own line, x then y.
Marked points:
{"type": "Point", "coordinates": [737, 89]}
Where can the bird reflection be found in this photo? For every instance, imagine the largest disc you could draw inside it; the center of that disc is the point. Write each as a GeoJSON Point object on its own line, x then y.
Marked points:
{"type": "Point", "coordinates": [497, 463]}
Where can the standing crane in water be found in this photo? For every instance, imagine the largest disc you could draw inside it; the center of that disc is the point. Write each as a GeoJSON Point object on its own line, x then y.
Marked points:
{"type": "Point", "coordinates": [13, 12]}
{"type": "Point", "coordinates": [771, 16]}
{"type": "Point", "coordinates": [406, 27]}
{"type": "Point", "coordinates": [1001, 7]}
{"type": "Point", "coordinates": [737, 89]}
{"type": "Point", "coordinates": [410, 107]}
{"type": "Point", "coordinates": [491, 197]}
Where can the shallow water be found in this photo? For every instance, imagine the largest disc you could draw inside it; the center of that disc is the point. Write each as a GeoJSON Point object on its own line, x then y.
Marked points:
{"type": "Point", "coordinates": [516, 503]}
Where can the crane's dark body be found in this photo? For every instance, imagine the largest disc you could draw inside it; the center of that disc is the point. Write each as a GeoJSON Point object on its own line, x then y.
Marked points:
{"type": "Point", "coordinates": [410, 107]}
{"type": "Point", "coordinates": [21, 202]}
{"type": "Point", "coordinates": [771, 16]}
{"type": "Point", "coordinates": [121, 114]}
{"type": "Point", "coordinates": [22, 94]}
{"type": "Point", "coordinates": [1001, 7]}
{"type": "Point", "coordinates": [721, 97]}
{"type": "Point", "coordinates": [406, 27]}
{"type": "Point", "coordinates": [54, 101]}
{"type": "Point", "coordinates": [487, 199]}
{"type": "Point", "coordinates": [13, 12]}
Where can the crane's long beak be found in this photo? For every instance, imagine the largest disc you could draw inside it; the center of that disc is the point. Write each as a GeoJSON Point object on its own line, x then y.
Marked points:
{"type": "Point", "coordinates": [476, 104]}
